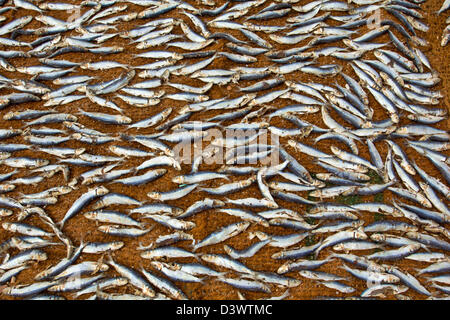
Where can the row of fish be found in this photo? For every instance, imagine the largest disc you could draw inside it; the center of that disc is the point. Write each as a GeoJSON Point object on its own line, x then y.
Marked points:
{"type": "Point", "coordinates": [275, 102]}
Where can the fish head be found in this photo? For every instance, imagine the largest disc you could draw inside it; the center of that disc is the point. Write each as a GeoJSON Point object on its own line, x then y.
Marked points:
{"type": "Point", "coordinates": [117, 245]}
{"type": "Point", "coordinates": [101, 191]}
{"type": "Point", "coordinates": [90, 215]}
{"type": "Point", "coordinates": [105, 229]}
{"type": "Point", "coordinates": [359, 234]}
{"type": "Point", "coordinates": [378, 237]}
{"type": "Point", "coordinates": [283, 269]}
{"type": "Point", "coordinates": [157, 265]}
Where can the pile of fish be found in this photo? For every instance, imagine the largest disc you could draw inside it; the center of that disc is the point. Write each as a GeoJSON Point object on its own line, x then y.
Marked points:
{"type": "Point", "coordinates": [354, 197]}
{"type": "Point", "coordinates": [446, 33]}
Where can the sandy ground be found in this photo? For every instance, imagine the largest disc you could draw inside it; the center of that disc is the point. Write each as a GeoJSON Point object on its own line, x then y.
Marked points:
{"type": "Point", "coordinates": [208, 221]}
